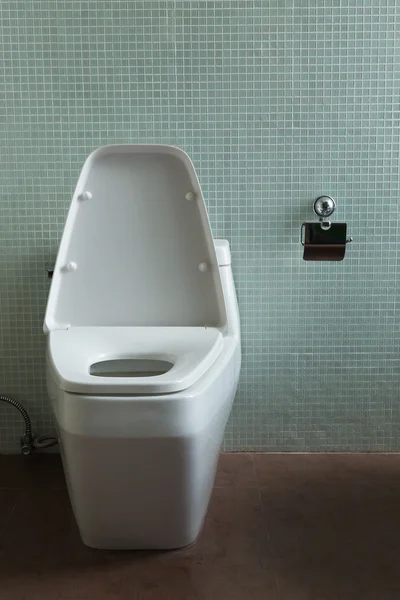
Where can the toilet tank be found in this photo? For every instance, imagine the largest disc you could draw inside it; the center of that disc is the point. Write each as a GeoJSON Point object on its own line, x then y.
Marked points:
{"type": "Point", "coordinates": [223, 253]}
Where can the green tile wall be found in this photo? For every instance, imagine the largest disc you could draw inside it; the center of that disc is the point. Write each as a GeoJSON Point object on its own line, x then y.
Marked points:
{"type": "Point", "coordinates": [276, 102]}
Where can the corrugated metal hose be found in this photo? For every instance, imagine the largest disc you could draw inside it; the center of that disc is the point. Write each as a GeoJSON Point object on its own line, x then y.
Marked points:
{"type": "Point", "coordinates": [29, 441]}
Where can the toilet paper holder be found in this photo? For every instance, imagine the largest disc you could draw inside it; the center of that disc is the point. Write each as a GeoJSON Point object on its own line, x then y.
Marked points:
{"type": "Point", "coordinates": [323, 240]}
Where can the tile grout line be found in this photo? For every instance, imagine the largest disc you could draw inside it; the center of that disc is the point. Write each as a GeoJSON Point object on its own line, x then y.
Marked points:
{"type": "Point", "coordinates": [264, 513]}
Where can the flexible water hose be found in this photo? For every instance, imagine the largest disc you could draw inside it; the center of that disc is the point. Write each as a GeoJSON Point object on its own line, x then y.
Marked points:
{"type": "Point", "coordinates": [29, 441]}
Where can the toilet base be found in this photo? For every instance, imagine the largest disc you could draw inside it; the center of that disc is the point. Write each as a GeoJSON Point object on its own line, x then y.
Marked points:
{"type": "Point", "coordinates": [141, 494]}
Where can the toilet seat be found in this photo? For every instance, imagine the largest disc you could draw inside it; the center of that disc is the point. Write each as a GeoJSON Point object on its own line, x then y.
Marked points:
{"type": "Point", "coordinates": [191, 350]}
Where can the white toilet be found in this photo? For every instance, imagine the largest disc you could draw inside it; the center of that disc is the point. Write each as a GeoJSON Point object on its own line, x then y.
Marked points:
{"type": "Point", "coordinates": [143, 353]}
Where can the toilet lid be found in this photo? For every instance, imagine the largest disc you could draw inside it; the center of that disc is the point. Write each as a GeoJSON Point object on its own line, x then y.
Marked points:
{"type": "Point", "coordinates": [137, 248]}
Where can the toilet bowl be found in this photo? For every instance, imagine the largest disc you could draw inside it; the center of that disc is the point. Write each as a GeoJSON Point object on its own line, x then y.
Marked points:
{"type": "Point", "coordinates": [143, 349]}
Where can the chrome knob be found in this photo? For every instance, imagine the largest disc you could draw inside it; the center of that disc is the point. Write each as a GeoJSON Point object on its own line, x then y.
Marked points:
{"type": "Point", "coordinates": [324, 206]}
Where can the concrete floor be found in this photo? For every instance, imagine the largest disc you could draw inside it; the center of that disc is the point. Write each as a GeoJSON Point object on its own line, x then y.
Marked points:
{"type": "Point", "coordinates": [289, 527]}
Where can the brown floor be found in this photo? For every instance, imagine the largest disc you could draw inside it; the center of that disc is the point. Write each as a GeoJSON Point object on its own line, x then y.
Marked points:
{"type": "Point", "coordinates": [291, 527]}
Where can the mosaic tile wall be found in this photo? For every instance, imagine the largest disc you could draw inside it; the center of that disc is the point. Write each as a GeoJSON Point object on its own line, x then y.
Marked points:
{"type": "Point", "coordinates": [276, 102]}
